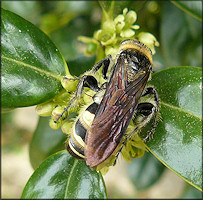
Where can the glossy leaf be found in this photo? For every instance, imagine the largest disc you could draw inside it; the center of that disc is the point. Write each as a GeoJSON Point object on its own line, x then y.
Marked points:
{"type": "Point", "coordinates": [180, 38]}
{"type": "Point", "coordinates": [146, 171]}
{"type": "Point", "coordinates": [45, 142]}
{"type": "Point", "coordinates": [194, 8]}
{"type": "Point", "coordinates": [177, 141]}
{"type": "Point", "coordinates": [63, 177]}
{"type": "Point", "coordinates": [32, 66]}
{"type": "Point", "coordinates": [191, 193]}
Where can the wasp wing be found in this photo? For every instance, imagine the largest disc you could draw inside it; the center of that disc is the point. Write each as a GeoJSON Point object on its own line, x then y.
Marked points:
{"type": "Point", "coordinates": [114, 114]}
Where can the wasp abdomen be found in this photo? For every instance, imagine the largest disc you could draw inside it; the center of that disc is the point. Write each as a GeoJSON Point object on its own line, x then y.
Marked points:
{"type": "Point", "coordinates": [76, 142]}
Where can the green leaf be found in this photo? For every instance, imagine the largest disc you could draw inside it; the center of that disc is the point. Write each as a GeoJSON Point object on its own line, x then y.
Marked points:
{"type": "Point", "coordinates": [32, 66]}
{"type": "Point", "coordinates": [63, 177]}
{"type": "Point", "coordinates": [191, 193]}
{"type": "Point", "coordinates": [180, 38]}
{"type": "Point", "coordinates": [146, 171]}
{"type": "Point", "coordinates": [45, 142]}
{"type": "Point", "coordinates": [177, 142]}
{"type": "Point", "coordinates": [194, 8]}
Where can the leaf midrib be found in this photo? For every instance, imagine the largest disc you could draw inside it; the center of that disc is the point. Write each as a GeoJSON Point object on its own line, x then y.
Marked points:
{"type": "Point", "coordinates": [180, 109]}
{"type": "Point", "coordinates": [33, 67]}
{"type": "Point", "coordinates": [69, 178]}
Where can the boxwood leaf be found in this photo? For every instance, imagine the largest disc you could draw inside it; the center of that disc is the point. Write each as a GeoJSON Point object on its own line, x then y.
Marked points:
{"type": "Point", "coordinates": [194, 8]}
{"type": "Point", "coordinates": [180, 38]}
{"type": "Point", "coordinates": [45, 142]}
{"type": "Point", "coordinates": [190, 192]}
{"type": "Point", "coordinates": [177, 141]}
{"type": "Point", "coordinates": [63, 177]}
{"type": "Point", "coordinates": [32, 65]}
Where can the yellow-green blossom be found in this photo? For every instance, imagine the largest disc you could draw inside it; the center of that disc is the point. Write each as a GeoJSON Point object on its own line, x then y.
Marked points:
{"type": "Point", "coordinates": [149, 40]}
{"type": "Point", "coordinates": [113, 31]}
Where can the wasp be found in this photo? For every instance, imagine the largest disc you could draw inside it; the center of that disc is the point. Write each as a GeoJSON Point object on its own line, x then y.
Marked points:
{"type": "Point", "coordinates": [101, 127]}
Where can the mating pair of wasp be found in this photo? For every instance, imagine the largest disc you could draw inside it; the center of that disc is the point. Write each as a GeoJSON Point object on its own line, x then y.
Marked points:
{"type": "Point", "coordinates": [101, 128]}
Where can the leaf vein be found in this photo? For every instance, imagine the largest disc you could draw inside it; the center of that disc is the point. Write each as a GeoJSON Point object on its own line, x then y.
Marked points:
{"type": "Point", "coordinates": [180, 109]}
{"type": "Point", "coordinates": [71, 172]}
{"type": "Point", "coordinates": [32, 67]}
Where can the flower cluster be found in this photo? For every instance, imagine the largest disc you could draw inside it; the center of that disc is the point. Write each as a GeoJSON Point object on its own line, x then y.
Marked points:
{"type": "Point", "coordinates": [113, 31]}
{"type": "Point", "coordinates": [56, 107]}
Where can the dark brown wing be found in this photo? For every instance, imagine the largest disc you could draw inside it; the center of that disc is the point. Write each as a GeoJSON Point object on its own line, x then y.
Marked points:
{"type": "Point", "coordinates": [114, 114]}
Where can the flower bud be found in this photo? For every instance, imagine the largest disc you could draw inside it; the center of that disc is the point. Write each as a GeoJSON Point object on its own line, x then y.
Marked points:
{"type": "Point", "coordinates": [149, 40]}
{"type": "Point", "coordinates": [45, 109]}
{"type": "Point", "coordinates": [56, 113]}
{"type": "Point", "coordinates": [69, 83]}
{"type": "Point", "coordinates": [63, 97]}
{"type": "Point", "coordinates": [130, 17]}
{"type": "Point", "coordinates": [91, 49]}
{"type": "Point", "coordinates": [53, 124]}
{"type": "Point", "coordinates": [67, 127]}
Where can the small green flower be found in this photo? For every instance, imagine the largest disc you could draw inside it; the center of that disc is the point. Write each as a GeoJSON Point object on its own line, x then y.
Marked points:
{"type": "Point", "coordinates": [91, 48]}
{"type": "Point", "coordinates": [149, 40]}
{"type": "Point", "coordinates": [45, 109]}
{"type": "Point", "coordinates": [92, 45]}
{"type": "Point", "coordinates": [109, 26]}
{"type": "Point", "coordinates": [130, 18]}
{"type": "Point", "coordinates": [69, 83]}
{"type": "Point", "coordinates": [119, 23]}
{"type": "Point", "coordinates": [107, 35]}
{"type": "Point", "coordinates": [67, 127]}
{"type": "Point", "coordinates": [127, 33]}
{"type": "Point", "coordinates": [114, 31]}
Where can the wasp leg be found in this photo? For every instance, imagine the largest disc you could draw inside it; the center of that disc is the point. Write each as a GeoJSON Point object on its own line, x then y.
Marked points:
{"type": "Point", "coordinates": [123, 144]}
{"type": "Point", "coordinates": [86, 81]}
{"type": "Point", "coordinates": [152, 91]}
{"type": "Point", "coordinates": [148, 110]}
{"type": "Point", "coordinates": [105, 63]}
{"type": "Point", "coordinates": [89, 81]}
